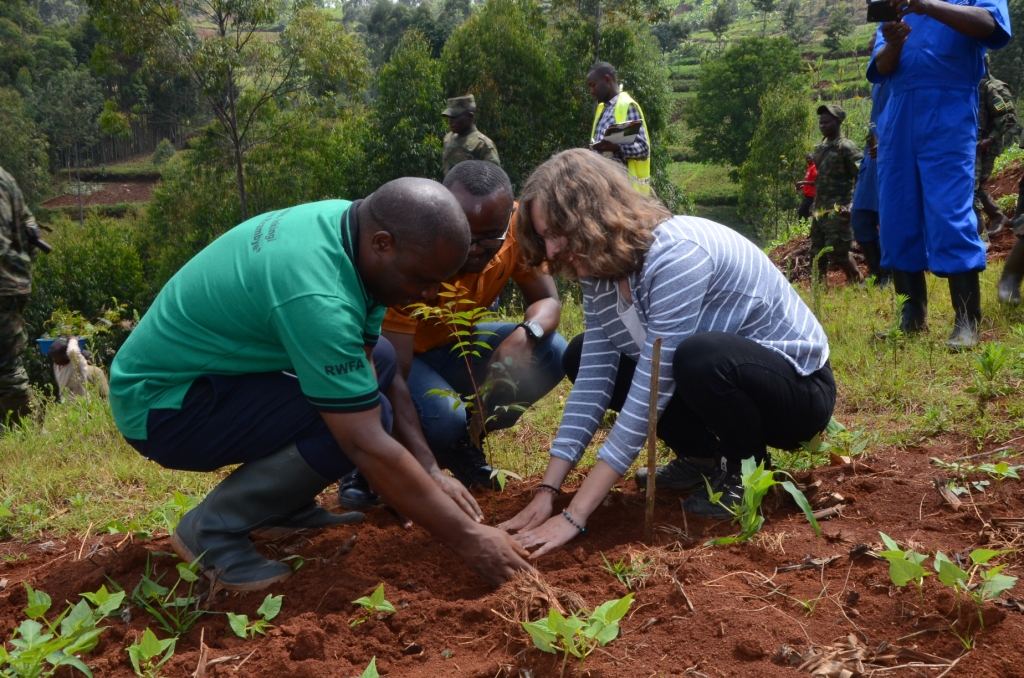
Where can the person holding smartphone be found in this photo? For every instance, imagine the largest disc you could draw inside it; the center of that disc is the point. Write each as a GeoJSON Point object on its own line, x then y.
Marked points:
{"type": "Point", "coordinates": [932, 57]}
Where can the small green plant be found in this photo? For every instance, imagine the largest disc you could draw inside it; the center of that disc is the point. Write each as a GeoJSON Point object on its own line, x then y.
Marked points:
{"type": "Point", "coordinates": [629, 570]}
{"type": "Point", "coordinates": [819, 448]}
{"type": "Point", "coordinates": [904, 566]}
{"type": "Point", "coordinates": [371, 669]}
{"type": "Point", "coordinates": [174, 613]}
{"type": "Point", "coordinates": [163, 517]}
{"type": "Point", "coordinates": [747, 514]}
{"type": "Point", "coordinates": [79, 500]}
{"type": "Point", "coordinates": [981, 582]}
{"type": "Point", "coordinates": [40, 647]}
{"type": "Point", "coordinates": [270, 608]}
{"type": "Point", "coordinates": [581, 633]}
{"type": "Point", "coordinates": [373, 604]}
{"type": "Point", "coordinates": [989, 362]}
{"type": "Point", "coordinates": [164, 152]}
{"type": "Point", "coordinates": [145, 654]}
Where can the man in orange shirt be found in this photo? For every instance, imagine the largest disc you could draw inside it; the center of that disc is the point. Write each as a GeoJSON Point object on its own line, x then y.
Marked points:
{"type": "Point", "coordinates": [425, 349]}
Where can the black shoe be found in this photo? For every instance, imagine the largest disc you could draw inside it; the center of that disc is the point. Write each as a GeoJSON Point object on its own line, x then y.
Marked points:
{"type": "Point", "coordinates": [965, 293]}
{"type": "Point", "coordinates": [727, 481]}
{"type": "Point", "coordinates": [467, 463]}
{"type": "Point", "coordinates": [354, 492]}
{"type": "Point", "coordinates": [258, 493]}
{"type": "Point", "coordinates": [681, 474]}
{"type": "Point", "coordinates": [1013, 271]}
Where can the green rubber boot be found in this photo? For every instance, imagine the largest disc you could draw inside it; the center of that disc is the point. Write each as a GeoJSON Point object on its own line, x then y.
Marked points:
{"type": "Point", "coordinates": [267, 491]}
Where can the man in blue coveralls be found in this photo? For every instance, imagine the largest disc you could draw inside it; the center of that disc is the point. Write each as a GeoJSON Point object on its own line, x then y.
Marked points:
{"type": "Point", "coordinates": [933, 59]}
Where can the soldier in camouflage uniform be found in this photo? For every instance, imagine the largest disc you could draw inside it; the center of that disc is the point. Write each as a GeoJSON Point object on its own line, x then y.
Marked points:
{"type": "Point", "coordinates": [18, 235]}
{"type": "Point", "coordinates": [465, 142]}
{"type": "Point", "coordinates": [837, 159]}
{"type": "Point", "coordinates": [997, 115]}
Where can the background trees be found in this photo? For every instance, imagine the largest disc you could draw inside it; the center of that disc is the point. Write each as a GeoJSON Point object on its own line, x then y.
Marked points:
{"type": "Point", "coordinates": [727, 111]}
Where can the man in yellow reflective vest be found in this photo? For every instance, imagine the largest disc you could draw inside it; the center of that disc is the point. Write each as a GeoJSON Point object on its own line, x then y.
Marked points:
{"type": "Point", "coordinates": [614, 107]}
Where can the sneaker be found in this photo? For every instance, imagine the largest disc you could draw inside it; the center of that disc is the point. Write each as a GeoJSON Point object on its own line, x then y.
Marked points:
{"type": "Point", "coordinates": [467, 463]}
{"type": "Point", "coordinates": [681, 474]}
{"type": "Point", "coordinates": [354, 492]}
{"type": "Point", "coordinates": [728, 482]}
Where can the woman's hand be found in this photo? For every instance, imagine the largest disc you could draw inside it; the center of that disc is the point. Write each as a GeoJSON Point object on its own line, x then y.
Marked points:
{"type": "Point", "coordinates": [555, 532]}
{"type": "Point", "coordinates": [535, 513]}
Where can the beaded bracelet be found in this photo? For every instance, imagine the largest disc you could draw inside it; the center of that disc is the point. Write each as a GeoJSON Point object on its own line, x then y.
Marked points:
{"type": "Point", "coordinates": [549, 488]}
{"type": "Point", "coordinates": [573, 522]}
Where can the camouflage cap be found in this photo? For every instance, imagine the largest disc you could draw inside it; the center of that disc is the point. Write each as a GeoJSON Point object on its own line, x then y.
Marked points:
{"type": "Point", "coordinates": [459, 105]}
{"type": "Point", "coordinates": [835, 110]}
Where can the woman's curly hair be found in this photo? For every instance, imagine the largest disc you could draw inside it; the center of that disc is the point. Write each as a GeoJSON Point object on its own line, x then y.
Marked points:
{"type": "Point", "coordinates": [591, 201]}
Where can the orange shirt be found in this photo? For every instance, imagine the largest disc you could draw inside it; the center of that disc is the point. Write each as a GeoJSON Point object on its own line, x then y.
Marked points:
{"type": "Point", "coordinates": [484, 287]}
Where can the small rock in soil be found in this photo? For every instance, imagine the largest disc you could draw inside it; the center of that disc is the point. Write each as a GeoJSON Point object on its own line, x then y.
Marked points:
{"type": "Point", "coordinates": [580, 555]}
{"type": "Point", "coordinates": [750, 648]}
{"type": "Point", "coordinates": [308, 644]}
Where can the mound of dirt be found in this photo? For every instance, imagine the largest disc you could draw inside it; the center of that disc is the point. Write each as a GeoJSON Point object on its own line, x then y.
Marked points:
{"type": "Point", "coordinates": [712, 611]}
{"type": "Point", "coordinates": [108, 194]}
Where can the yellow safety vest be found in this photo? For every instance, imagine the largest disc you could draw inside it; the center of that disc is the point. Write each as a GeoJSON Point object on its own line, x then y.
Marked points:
{"type": "Point", "coordinates": [639, 169]}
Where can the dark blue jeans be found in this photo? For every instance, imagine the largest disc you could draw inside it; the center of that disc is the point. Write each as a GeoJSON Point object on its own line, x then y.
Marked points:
{"type": "Point", "coordinates": [233, 419]}
{"type": "Point", "coordinates": [442, 420]}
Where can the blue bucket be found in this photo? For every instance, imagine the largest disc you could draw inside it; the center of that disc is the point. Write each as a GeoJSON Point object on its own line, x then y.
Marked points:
{"type": "Point", "coordinates": [45, 343]}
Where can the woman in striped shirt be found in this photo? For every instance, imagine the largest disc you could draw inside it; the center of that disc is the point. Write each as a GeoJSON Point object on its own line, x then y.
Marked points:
{"type": "Point", "coordinates": [744, 362]}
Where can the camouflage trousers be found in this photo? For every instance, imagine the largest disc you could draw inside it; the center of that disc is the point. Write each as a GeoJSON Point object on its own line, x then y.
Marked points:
{"type": "Point", "coordinates": [14, 386]}
{"type": "Point", "coordinates": [982, 173]}
{"type": "Point", "coordinates": [831, 230]}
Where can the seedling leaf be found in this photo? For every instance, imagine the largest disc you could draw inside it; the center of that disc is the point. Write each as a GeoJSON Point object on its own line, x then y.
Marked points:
{"type": "Point", "coordinates": [271, 607]}
{"type": "Point", "coordinates": [239, 624]}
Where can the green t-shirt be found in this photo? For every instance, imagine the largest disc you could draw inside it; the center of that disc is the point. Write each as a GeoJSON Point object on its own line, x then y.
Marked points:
{"type": "Point", "coordinates": [278, 292]}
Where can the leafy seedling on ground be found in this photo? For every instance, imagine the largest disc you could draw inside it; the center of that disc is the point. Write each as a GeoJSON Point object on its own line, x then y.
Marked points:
{"type": "Point", "coordinates": [270, 608]}
{"type": "Point", "coordinates": [145, 654]}
{"type": "Point", "coordinates": [174, 613]}
{"type": "Point", "coordinates": [981, 582]}
{"type": "Point", "coordinates": [747, 514]}
{"type": "Point", "coordinates": [629, 571]}
{"type": "Point", "coordinates": [904, 566]}
{"type": "Point", "coordinates": [581, 633]}
{"type": "Point", "coordinates": [41, 647]}
{"type": "Point", "coordinates": [989, 361]}
{"type": "Point", "coordinates": [372, 605]}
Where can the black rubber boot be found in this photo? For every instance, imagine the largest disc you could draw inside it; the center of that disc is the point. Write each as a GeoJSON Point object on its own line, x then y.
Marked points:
{"type": "Point", "coordinates": [873, 258]}
{"type": "Point", "coordinates": [681, 474]}
{"type": "Point", "coordinates": [914, 314]}
{"type": "Point", "coordinates": [266, 491]}
{"type": "Point", "coordinates": [467, 463]}
{"type": "Point", "coordinates": [965, 293]}
{"type": "Point", "coordinates": [1013, 272]}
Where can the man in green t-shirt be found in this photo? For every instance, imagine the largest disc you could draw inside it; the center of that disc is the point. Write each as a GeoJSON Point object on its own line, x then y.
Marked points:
{"type": "Point", "coordinates": [258, 352]}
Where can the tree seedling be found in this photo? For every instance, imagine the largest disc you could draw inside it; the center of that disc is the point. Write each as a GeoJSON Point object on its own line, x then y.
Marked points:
{"type": "Point", "coordinates": [174, 614]}
{"type": "Point", "coordinates": [904, 566]}
{"type": "Point", "coordinates": [981, 582]}
{"type": "Point", "coordinates": [581, 633]}
{"type": "Point", "coordinates": [41, 647]}
{"type": "Point", "coordinates": [989, 361]}
{"type": "Point", "coordinates": [145, 654]}
{"type": "Point", "coordinates": [372, 605]}
{"type": "Point", "coordinates": [747, 514]}
{"type": "Point", "coordinates": [270, 608]}
{"type": "Point", "coordinates": [628, 571]}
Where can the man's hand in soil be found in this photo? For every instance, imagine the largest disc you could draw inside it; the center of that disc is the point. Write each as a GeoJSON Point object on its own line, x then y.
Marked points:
{"type": "Point", "coordinates": [407, 487]}
{"type": "Point", "coordinates": [458, 492]}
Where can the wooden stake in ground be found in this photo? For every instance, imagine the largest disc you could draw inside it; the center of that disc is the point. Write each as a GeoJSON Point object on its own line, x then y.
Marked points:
{"type": "Point", "coordinates": [652, 442]}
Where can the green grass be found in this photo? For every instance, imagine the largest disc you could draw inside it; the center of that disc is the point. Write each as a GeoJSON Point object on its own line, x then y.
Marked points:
{"type": "Point", "coordinates": [705, 183]}
{"type": "Point", "coordinates": [907, 393]}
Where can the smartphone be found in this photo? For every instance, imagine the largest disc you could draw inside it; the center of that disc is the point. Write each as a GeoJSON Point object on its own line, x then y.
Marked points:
{"type": "Point", "coordinates": [880, 11]}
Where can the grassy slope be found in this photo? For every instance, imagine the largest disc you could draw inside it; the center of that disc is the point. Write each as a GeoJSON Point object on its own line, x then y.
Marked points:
{"type": "Point", "coordinates": [898, 395]}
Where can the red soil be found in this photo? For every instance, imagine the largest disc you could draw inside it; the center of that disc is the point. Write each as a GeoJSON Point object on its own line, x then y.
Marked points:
{"type": "Point", "coordinates": [443, 608]}
{"type": "Point", "coordinates": [110, 194]}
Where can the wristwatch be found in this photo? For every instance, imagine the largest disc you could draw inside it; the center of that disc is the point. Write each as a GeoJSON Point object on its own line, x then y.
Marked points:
{"type": "Point", "coordinates": [533, 329]}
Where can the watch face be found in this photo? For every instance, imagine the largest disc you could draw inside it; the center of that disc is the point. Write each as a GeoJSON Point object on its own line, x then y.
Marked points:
{"type": "Point", "coordinates": [534, 329]}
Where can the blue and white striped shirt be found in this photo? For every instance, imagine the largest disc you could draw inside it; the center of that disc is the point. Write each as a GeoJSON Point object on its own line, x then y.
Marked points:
{"type": "Point", "coordinates": [698, 276]}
